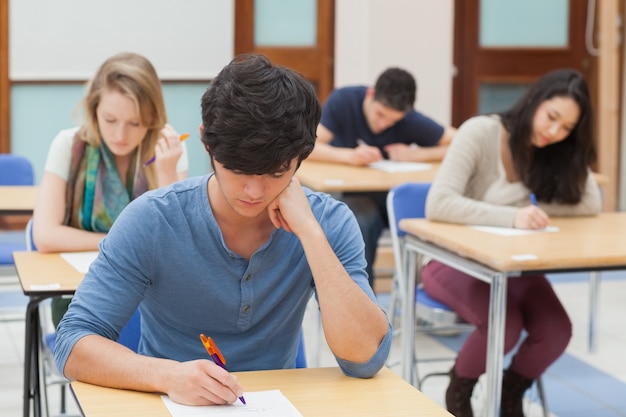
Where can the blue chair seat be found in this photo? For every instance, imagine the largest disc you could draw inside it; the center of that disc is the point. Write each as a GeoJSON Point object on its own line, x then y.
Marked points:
{"type": "Point", "coordinates": [432, 311]}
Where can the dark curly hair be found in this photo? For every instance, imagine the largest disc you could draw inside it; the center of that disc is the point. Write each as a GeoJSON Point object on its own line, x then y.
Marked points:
{"type": "Point", "coordinates": [257, 117]}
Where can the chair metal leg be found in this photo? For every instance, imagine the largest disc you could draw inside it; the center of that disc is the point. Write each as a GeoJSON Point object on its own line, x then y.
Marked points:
{"type": "Point", "coordinates": [594, 288]}
{"type": "Point", "coordinates": [542, 397]}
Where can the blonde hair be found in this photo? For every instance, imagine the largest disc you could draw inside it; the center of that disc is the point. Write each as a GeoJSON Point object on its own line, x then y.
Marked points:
{"type": "Point", "coordinates": [133, 76]}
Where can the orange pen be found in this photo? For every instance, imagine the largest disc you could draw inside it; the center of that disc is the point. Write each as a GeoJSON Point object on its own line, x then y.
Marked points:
{"type": "Point", "coordinates": [151, 160]}
{"type": "Point", "coordinates": [215, 353]}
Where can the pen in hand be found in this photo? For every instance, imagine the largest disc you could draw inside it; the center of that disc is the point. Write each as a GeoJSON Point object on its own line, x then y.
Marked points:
{"type": "Point", "coordinates": [217, 356]}
{"type": "Point", "coordinates": [151, 160]}
{"type": "Point", "coordinates": [533, 199]}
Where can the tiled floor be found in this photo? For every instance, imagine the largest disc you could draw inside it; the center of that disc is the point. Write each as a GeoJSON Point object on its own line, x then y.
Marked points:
{"type": "Point", "coordinates": [578, 384]}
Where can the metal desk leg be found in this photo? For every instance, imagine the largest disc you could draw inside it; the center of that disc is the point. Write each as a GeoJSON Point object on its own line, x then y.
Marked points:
{"type": "Point", "coordinates": [495, 343]}
{"type": "Point", "coordinates": [32, 387]}
{"type": "Point", "coordinates": [408, 316]}
{"type": "Point", "coordinates": [594, 287]}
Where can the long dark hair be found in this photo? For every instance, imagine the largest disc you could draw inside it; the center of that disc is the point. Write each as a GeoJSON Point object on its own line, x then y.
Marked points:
{"type": "Point", "coordinates": [557, 172]}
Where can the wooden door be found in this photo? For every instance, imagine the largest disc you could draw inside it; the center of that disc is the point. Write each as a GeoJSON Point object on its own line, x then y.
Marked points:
{"type": "Point", "coordinates": [481, 66]}
{"type": "Point", "coordinates": [508, 70]}
{"type": "Point", "coordinates": [315, 61]}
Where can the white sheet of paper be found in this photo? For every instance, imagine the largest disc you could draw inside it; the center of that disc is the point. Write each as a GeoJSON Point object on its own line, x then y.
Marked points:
{"type": "Point", "coordinates": [510, 231]}
{"type": "Point", "coordinates": [524, 257]}
{"type": "Point", "coordinates": [80, 260]}
{"type": "Point", "coordinates": [395, 166]}
{"type": "Point", "coordinates": [261, 403]}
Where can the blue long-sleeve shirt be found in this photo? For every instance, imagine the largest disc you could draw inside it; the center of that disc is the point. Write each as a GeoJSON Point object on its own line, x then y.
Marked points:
{"type": "Point", "coordinates": [166, 255]}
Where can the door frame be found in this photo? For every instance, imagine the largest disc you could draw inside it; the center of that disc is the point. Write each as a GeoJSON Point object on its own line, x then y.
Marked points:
{"type": "Point", "coordinates": [476, 64]}
{"type": "Point", "coordinates": [5, 86]}
{"type": "Point", "coordinates": [316, 63]}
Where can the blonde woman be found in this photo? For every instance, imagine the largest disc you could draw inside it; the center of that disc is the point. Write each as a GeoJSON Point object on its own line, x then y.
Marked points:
{"type": "Point", "coordinates": [93, 171]}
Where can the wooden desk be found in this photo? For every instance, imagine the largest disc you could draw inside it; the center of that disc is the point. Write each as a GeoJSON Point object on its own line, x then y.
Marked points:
{"type": "Point", "coordinates": [17, 200]}
{"type": "Point", "coordinates": [314, 392]}
{"type": "Point", "coordinates": [330, 177]}
{"type": "Point", "coordinates": [582, 243]}
{"type": "Point", "coordinates": [41, 275]}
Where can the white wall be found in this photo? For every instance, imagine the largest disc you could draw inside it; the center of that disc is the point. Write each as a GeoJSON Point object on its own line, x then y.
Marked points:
{"type": "Point", "coordinates": [193, 39]}
{"type": "Point", "coordinates": [417, 35]}
{"type": "Point", "coordinates": [69, 39]}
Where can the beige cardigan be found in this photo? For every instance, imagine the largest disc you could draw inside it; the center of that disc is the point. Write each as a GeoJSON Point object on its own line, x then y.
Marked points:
{"type": "Point", "coordinates": [471, 185]}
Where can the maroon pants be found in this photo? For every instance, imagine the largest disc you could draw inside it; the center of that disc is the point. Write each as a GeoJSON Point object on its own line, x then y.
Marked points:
{"type": "Point", "coordinates": [531, 304]}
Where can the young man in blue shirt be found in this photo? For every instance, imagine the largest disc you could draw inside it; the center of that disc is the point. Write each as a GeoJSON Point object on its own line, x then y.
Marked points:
{"type": "Point", "coordinates": [361, 125]}
{"type": "Point", "coordinates": [235, 255]}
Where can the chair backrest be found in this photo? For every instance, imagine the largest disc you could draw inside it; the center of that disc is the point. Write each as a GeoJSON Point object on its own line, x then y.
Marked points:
{"type": "Point", "coordinates": [16, 170]}
{"type": "Point", "coordinates": [406, 200]}
{"type": "Point", "coordinates": [301, 356]}
{"type": "Point", "coordinates": [28, 234]}
{"type": "Point", "coordinates": [131, 333]}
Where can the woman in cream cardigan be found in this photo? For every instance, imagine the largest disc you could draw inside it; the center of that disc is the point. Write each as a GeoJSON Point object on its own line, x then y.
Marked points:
{"type": "Point", "coordinates": [514, 169]}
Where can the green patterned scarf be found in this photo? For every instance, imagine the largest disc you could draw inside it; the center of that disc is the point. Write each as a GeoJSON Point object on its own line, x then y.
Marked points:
{"type": "Point", "coordinates": [95, 192]}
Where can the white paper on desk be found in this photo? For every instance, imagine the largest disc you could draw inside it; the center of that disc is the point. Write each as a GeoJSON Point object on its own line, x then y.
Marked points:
{"type": "Point", "coordinates": [395, 166]}
{"type": "Point", "coordinates": [80, 260]}
{"type": "Point", "coordinates": [261, 403]}
{"type": "Point", "coordinates": [510, 231]}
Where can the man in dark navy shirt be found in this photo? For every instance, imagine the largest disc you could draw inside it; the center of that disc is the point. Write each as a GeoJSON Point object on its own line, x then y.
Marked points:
{"type": "Point", "coordinates": [361, 125]}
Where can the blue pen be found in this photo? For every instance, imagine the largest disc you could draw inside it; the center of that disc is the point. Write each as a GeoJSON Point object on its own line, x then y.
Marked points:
{"type": "Point", "coordinates": [533, 199]}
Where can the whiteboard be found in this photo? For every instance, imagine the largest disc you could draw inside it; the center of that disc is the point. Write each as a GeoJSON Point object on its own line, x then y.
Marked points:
{"type": "Point", "coordinates": [69, 39]}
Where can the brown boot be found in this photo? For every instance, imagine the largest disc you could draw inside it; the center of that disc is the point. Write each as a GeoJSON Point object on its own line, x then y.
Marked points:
{"type": "Point", "coordinates": [513, 387]}
{"type": "Point", "coordinates": [459, 394]}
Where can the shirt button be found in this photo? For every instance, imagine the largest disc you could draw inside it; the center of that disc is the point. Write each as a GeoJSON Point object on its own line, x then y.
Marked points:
{"type": "Point", "coordinates": [248, 277]}
{"type": "Point", "coordinates": [246, 309]}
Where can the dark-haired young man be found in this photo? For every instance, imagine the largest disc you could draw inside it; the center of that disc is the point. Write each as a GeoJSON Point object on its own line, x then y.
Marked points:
{"type": "Point", "coordinates": [361, 125]}
{"type": "Point", "coordinates": [235, 255]}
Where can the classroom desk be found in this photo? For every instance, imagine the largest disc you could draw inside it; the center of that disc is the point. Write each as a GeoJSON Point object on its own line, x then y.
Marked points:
{"type": "Point", "coordinates": [41, 275]}
{"type": "Point", "coordinates": [17, 200]}
{"type": "Point", "coordinates": [581, 244]}
{"type": "Point", "coordinates": [330, 177]}
{"type": "Point", "coordinates": [313, 391]}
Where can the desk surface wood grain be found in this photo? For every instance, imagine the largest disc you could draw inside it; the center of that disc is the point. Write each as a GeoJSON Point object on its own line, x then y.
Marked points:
{"type": "Point", "coordinates": [319, 392]}
{"type": "Point", "coordinates": [331, 177]}
{"type": "Point", "coordinates": [17, 199]}
{"type": "Point", "coordinates": [589, 243]}
{"type": "Point", "coordinates": [45, 272]}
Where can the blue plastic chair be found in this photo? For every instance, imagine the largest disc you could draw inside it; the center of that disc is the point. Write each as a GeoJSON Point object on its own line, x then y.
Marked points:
{"type": "Point", "coordinates": [14, 170]}
{"type": "Point", "coordinates": [408, 200]}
